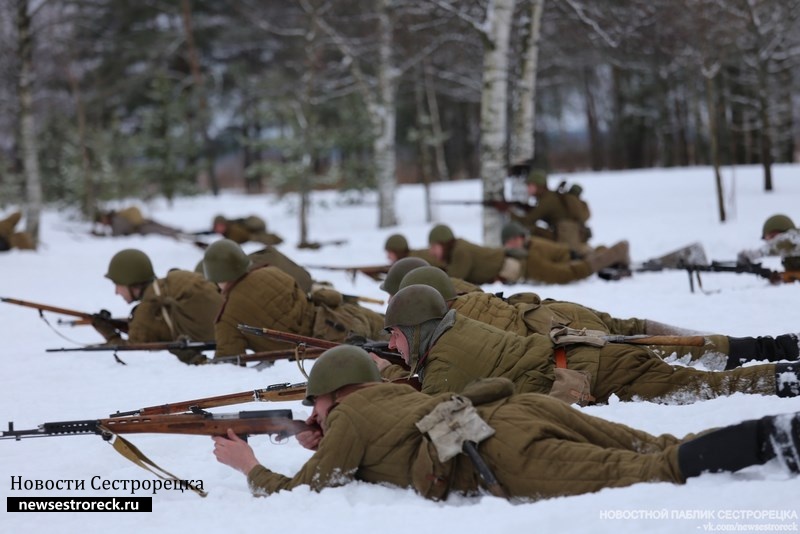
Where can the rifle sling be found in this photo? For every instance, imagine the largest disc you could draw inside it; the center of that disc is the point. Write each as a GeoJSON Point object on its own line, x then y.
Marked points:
{"type": "Point", "coordinates": [132, 453]}
{"type": "Point", "coordinates": [167, 318]}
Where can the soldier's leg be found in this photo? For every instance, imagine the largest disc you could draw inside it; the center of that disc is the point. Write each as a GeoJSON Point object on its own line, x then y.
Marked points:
{"type": "Point", "coordinates": [738, 446]}
{"type": "Point", "coordinates": [633, 373]}
{"type": "Point", "coordinates": [713, 355]}
{"type": "Point", "coordinates": [723, 352]}
{"type": "Point", "coordinates": [557, 467]}
{"type": "Point", "coordinates": [572, 452]}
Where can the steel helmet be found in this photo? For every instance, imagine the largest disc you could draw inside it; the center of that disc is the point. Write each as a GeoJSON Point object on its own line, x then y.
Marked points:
{"type": "Point", "coordinates": [225, 261]}
{"type": "Point", "coordinates": [337, 367]}
{"type": "Point", "coordinates": [413, 305]}
{"type": "Point", "coordinates": [396, 243]}
{"type": "Point", "coordinates": [511, 230]}
{"type": "Point", "coordinates": [537, 176]}
{"type": "Point", "coordinates": [776, 223]}
{"type": "Point", "coordinates": [398, 270]}
{"type": "Point", "coordinates": [430, 276]}
{"type": "Point", "coordinates": [130, 267]}
{"type": "Point", "coordinates": [441, 233]}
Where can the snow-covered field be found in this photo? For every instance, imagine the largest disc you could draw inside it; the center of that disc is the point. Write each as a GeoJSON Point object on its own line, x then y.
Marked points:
{"type": "Point", "coordinates": [656, 210]}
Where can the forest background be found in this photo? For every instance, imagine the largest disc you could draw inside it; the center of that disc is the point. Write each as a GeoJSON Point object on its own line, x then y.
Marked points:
{"type": "Point", "coordinates": [108, 99]}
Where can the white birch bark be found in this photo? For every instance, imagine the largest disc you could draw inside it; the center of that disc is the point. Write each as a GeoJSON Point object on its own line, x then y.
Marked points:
{"type": "Point", "coordinates": [493, 112]}
{"type": "Point", "coordinates": [524, 118]}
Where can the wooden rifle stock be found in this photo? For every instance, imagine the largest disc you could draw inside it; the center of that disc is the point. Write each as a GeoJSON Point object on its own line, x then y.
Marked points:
{"type": "Point", "coordinates": [273, 393]}
{"type": "Point", "coordinates": [119, 324]}
{"type": "Point", "coordinates": [684, 341]}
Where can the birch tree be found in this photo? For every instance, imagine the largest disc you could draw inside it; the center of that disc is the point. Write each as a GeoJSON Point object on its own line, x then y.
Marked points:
{"type": "Point", "coordinates": [378, 93]}
{"type": "Point", "coordinates": [524, 116]}
{"type": "Point", "coordinates": [494, 29]}
{"type": "Point", "coordinates": [27, 126]}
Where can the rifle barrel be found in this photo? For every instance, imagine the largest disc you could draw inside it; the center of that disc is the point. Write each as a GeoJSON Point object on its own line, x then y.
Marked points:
{"type": "Point", "coordinates": [172, 345]}
{"type": "Point", "coordinates": [275, 422]}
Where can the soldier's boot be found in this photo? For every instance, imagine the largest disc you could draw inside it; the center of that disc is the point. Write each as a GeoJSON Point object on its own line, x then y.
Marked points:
{"type": "Point", "coordinates": [787, 379]}
{"type": "Point", "coordinates": [735, 447]}
{"type": "Point", "coordinates": [615, 255]}
{"type": "Point", "coordinates": [773, 349]}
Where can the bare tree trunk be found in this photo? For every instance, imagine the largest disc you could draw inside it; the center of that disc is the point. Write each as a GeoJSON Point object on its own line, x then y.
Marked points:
{"type": "Point", "coordinates": [88, 207]}
{"type": "Point", "coordinates": [197, 80]}
{"type": "Point", "coordinates": [493, 113]}
{"type": "Point", "coordinates": [436, 125]}
{"type": "Point", "coordinates": [712, 140]}
{"type": "Point", "coordinates": [27, 128]}
{"type": "Point", "coordinates": [592, 125]}
{"type": "Point", "coordinates": [424, 134]}
{"type": "Point", "coordinates": [384, 118]}
{"type": "Point", "coordinates": [765, 135]}
{"type": "Point", "coordinates": [524, 120]}
{"type": "Point", "coordinates": [380, 104]}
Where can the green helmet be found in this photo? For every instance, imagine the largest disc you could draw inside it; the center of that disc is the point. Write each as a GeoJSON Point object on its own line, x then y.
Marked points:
{"type": "Point", "coordinates": [511, 230]}
{"type": "Point", "coordinates": [398, 270]}
{"type": "Point", "coordinates": [396, 243]}
{"type": "Point", "coordinates": [776, 223]}
{"type": "Point", "coordinates": [414, 305]}
{"type": "Point", "coordinates": [225, 261]}
{"type": "Point", "coordinates": [441, 233]}
{"type": "Point", "coordinates": [130, 267]}
{"type": "Point", "coordinates": [337, 367]}
{"type": "Point", "coordinates": [430, 276]}
{"type": "Point", "coordinates": [537, 176]}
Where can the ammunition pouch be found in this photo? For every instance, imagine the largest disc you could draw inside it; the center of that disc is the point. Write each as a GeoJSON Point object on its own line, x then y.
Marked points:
{"type": "Point", "coordinates": [572, 386]}
{"type": "Point", "coordinates": [451, 423]}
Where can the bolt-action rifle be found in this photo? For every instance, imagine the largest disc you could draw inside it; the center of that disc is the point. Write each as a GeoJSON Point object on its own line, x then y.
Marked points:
{"type": "Point", "coordinates": [158, 345]}
{"type": "Point", "coordinates": [316, 245]}
{"type": "Point", "coordinates": [774, 277]}
{"type": "Point", "coordinates": [376, 272]}
{"type": "Point", "coordinates": [119, 324]}
{"type": "Point", "coordinates": [299, 353]}
{"type": "Point", "coordinates": [499, 205]}
{"type": "Point", "coordinates": [273, 393]}
{"type": "Point", "coordinates": [380, 348]}
{"type": "Point", "coordinates": [278, 423]}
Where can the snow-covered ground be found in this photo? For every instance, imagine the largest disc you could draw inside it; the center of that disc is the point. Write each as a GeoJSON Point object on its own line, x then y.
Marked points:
{"type": "Point", "coordinates": [656, 210]}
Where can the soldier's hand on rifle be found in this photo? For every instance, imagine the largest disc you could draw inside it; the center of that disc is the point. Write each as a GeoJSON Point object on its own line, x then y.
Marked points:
{"type": "Point", "coordinates": [234, 452]}
{"type": "Point", "coordinates": [310, 439]}
{"type": "Point", "coordinates": [380, 362]}
{"type": "Point", "coordinates": [102, 323]}
{"type": "Point", "coordinates": [743, 258]}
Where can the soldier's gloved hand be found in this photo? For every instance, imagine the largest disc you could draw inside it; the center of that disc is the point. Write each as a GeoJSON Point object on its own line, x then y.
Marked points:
{"type": "Point", "coordinates": [102, 323]}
